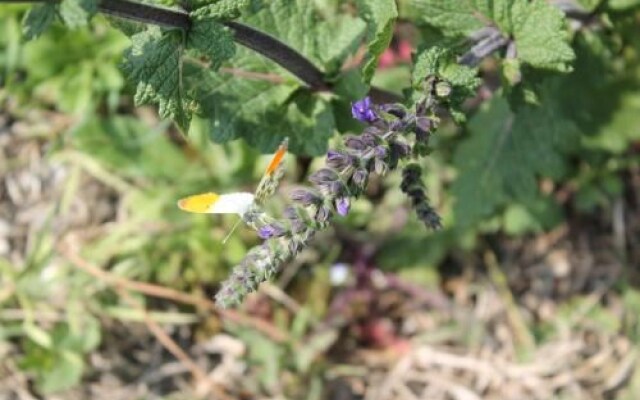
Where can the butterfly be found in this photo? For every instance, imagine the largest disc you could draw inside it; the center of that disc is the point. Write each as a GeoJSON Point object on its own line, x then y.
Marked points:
{"type": "Point", "coordinates": [240, 202]}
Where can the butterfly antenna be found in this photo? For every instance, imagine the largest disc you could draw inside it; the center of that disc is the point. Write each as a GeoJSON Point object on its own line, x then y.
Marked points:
{"type": "Point", "coordinates": [224, 241]}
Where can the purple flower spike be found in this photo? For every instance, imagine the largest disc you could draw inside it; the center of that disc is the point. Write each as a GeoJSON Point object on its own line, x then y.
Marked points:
{"type": "Point", "coordinates": [362, 110]}
{"type": "Point", "coordinates": [343, 204]}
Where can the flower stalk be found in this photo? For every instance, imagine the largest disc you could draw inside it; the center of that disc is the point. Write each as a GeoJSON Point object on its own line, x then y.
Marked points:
{"type": "Point", "coordinates": [394, 135]}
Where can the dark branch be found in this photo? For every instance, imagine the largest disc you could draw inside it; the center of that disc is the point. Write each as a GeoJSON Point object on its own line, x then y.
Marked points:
{"type": "Point", "coordinates": [279, 52]}
{"type": "Point", "coordinates": [146, 13]}
{"type": "Point", "coordinates": [487, 41]}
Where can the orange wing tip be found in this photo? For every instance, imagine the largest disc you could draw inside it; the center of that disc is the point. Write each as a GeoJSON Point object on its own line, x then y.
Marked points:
{"type": "Point", "coordinates": [277, 158]}
{"type": "Point", "coordinates": [211, 203]}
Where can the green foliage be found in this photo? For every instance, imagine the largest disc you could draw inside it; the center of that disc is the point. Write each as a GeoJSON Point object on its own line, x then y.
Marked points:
{"type": "Point", "coordinates": [212, 40]}
{"type": "Point", "coordinates": [380, 16]}
{"type": "Point", "coordinates": [56, 356]}
{"type": "Point", "coordinates": [221, 9]}
{"type": "Point", "coordinates": [154, 65]}
{"type": "Point", "coordinates": [72, 71]}
{"type": "Point", "coordinates": [621, 5]}
{"type": "Point", "coordinates": [38, 19]}
{"type": "Point", "coordinates": [537, 27]}
{"type": "Point", "coordinates": [74, 14]}
{"type": "Point", "coordinates": [505, 154]}
{"type": "Point", "coordinates": [77, 13]}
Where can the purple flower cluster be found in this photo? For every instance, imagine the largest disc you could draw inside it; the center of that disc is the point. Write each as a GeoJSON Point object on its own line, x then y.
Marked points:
{"type": "Point", "coordinates": [393, 134]}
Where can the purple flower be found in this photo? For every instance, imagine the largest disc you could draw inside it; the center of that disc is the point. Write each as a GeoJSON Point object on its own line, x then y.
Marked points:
{"type": "Point", "coordinates": [305, 197]}
{"type": "Point", "coordinates": [323, 214]}
{"type": "Point", "coordinates": [338, 160]}
{"type": "Point", "coordinates": [271, 230]}
{"type": "Point", "coordinates": [380, 152]}
{"type": "Point", "coordinates": [397, 110]}
{"type": "Point", "coordinates": [362, 110]}
{"type": "Point", "coordinates": [343, 204]}
{"type": "Point", "coordinates": [323, 176]}
{"type": "Point", "coordinates": [355, 143]}
{"type": "Point", "coordinates": [359, 178]}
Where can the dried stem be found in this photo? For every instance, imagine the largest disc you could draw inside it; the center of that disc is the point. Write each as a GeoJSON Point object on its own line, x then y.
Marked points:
{"type": "Point", "coordinates": [170, 294]}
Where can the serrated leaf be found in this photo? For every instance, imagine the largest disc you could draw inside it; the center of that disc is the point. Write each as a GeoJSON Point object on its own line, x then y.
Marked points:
{"type": "Point", "coordinates": [505, 154]}
{"type": "Point", "coordinates": [153, 64]}
{"type": "Point", "coordinates": [212, 40]}
{"type": "Point", "coordinates": [292, 21]}
{"type": "Point", "coordinates": [540, 35]}
{"type": "Point", "coordinates": [537, 27]}
{"type": "Point", "coordinates": [221, 9]}
{"type": "Point", "coordinates": [453, 17]}
{"type": "Point", "coordinates": [337, 38]}
{"type": "Point", "coordinates": [77, 13]}
{"type": "Point", "coordinates": [380, 16]}
{"type": "Point", "coordinates": [38, 19]}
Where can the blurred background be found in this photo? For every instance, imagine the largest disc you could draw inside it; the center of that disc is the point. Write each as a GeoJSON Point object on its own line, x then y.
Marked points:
{"type": "Point", "coordinates": [106, 287]}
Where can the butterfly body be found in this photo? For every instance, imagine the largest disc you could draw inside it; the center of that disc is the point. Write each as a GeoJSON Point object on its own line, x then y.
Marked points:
{"type": "Point", "coordinates": [240, 202]}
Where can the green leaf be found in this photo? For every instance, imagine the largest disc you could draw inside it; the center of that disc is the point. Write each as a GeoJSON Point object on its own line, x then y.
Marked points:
{"type": "Point", "coordinates": [77, 13]}
{"type": "Point", "coordinates": [65, 373]}
{"type": "Point", "coordinates": [294, 22]}
{"type": "Point", "coordinates": [337, 38]}
{"type": "Point", "coordinates": [221, 9]}
{"type": "Point", "coordinates": [537, 27]}
{"type": "Point", "coordinates": [540, 35]}
{"type": "Point", "coordinates": [589, 5]}
{"type": "Point", "coordinates": [38, 20]}
{"type": "Point", "coordinates": [38, 335]}
{"type": "Point", "coordinates": [154, 65]}
{"type": "Point", "coordinates": [505, 154]}
{"type": "Point", "coordinates": [441, 63]}
{"type": "Point", "coordinates": [622, 128]}
{"type": "Point", "coordinates": [452, 17]}
{"type": "Point", "coordinates": [212, 40]}
{"type": "Point", "coordinates": [620, 5]}
{"type": "Point", "coordinates": [380, 16]}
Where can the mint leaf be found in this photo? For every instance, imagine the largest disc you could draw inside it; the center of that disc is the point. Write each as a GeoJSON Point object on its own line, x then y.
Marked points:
{"type": "Point", "coordinates": [505, 154]}
{"type": "Point", "coordinates": [77, 13]}
{"type": "Point", "coordinates": [541, 38]}
{"type": "Point", "coordinates": [38, 19]}
{"type": "Point", "coordinates": [453, 17]}
{"type": "Point", "coordinates": [337, 39]}
{"type": "Point", "coordinates": [294, 22]}
{"type": "Point", "coordinates": [212, 40]}
{"type": "Point", "coordinates": [221, 9]}
{"type": "Point", "coordinates": [153, 63]}
{"type": "Point", "coordinates": [380, 16]}
{"type": "Point", "coordinates": [537, 27]}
